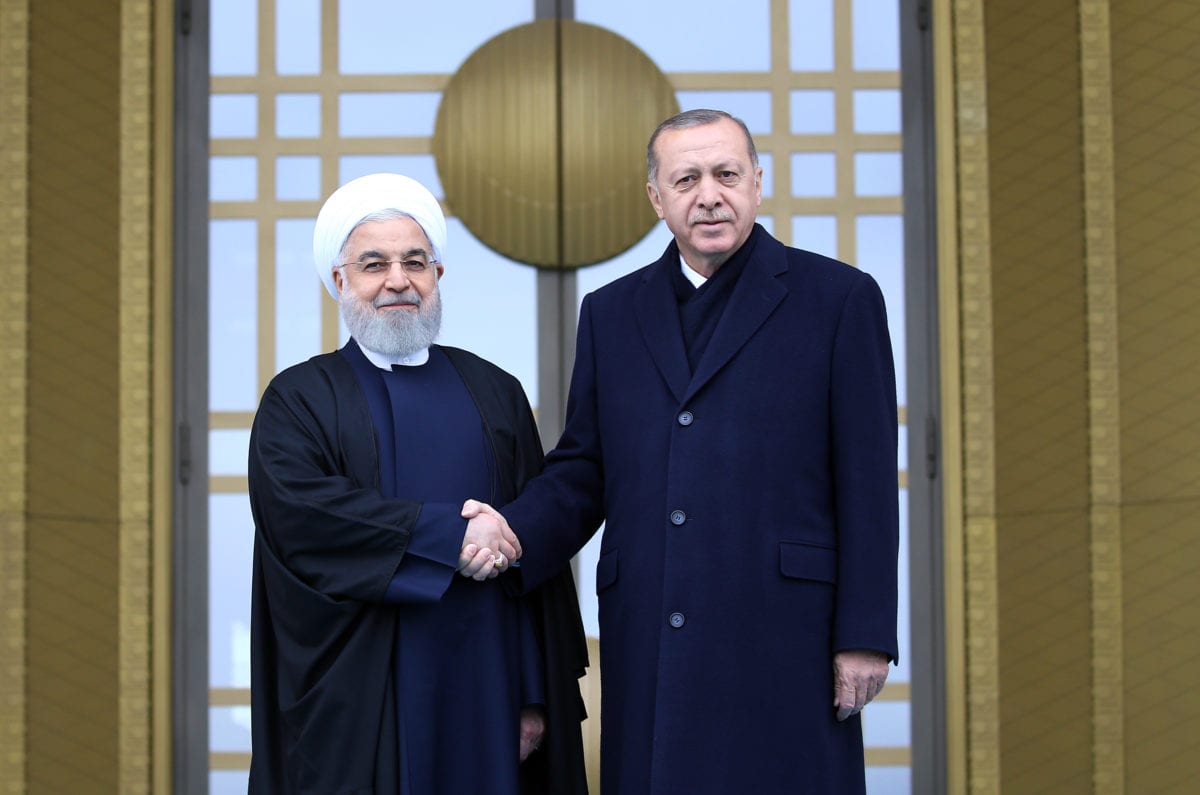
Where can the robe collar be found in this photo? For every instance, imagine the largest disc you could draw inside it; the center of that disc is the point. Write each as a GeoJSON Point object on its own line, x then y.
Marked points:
{"type": "Point", "coordinates": [385, 362]}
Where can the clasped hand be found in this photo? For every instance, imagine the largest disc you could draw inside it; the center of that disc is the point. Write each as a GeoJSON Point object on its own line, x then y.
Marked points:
{"type": "Point", "coordinates": [489, 545]}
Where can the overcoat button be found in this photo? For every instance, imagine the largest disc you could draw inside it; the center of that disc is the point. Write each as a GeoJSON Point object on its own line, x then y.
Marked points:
{"type": "Point", "coordinates": [678, 518]}
{"type": "Point", "coordinates": [677, 620]}
{"type": "Point", "coordinates": [686, 418]}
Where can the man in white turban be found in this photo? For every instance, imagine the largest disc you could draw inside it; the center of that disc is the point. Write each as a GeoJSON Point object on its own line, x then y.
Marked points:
{"type": "Point", "coordinates": [373, 667]}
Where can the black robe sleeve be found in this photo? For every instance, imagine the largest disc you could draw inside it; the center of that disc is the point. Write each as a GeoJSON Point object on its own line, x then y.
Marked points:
{"type": "Point", "coordinates": [326, 545]}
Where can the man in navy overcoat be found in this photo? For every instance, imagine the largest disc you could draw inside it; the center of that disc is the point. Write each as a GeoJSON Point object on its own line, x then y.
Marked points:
{"type": "Point", "coordinates": [732, 420]}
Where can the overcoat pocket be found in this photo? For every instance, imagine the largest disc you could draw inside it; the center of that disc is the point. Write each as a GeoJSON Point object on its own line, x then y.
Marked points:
{"type": "Point", "coordinates": [804, 561]}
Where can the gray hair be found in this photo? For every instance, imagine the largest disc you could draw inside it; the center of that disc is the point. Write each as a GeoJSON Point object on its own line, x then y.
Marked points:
{"type": "Point", "coordinates": [693, 118]}
{"type": "Point", "coordinates": [389, 214]}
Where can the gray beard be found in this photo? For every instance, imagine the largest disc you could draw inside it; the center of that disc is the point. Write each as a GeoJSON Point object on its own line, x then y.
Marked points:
{"type": "Point", "coordinates": [393, 333]}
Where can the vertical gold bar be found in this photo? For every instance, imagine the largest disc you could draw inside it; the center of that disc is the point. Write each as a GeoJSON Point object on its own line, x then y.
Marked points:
{"type": "Point", "coordinates": [135, 346]}
{"type": "Point", "coordinates": [329, 146]}
{"type": "Point", "coordinates": [781, 120]}
{"type": "Point", "coordinates": [162, 422]}
{"type": "Point", "coordinates": [14, 327]}
{"type": "Point", "coordinates": [266, 211]}
{"type": "Point", "coordinates": [978, 379]}
{"type": "Point", "coordinates": [1104, 428]}
{"type": "Point", "coordinates": [950, 369]}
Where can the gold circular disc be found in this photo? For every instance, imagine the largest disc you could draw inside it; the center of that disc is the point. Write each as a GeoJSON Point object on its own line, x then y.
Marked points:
{"type": "Point", "coordinates": [541, 142]}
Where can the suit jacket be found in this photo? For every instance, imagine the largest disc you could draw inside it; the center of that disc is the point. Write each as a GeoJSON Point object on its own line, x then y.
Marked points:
{"type": "Point", "coordinates": [326, 546]}
{"type": "Point", "coordinates": [751, 521]}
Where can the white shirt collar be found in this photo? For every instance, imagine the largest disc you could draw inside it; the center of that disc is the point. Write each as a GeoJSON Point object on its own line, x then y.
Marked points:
{"type": "Point", "coordinates": [385, 362]}
{"type": "Point", "coordinates": [695, 278]}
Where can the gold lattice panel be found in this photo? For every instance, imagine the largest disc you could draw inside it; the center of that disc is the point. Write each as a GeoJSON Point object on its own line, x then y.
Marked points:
{"type": "Point", "coordinates": [1041, 382]}
{"type": "Point", "coordinates": [1156, 99]}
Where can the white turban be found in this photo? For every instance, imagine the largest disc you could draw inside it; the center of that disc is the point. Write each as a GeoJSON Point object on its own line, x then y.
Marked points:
{"type": "Point", "coordinates": [357, 199]}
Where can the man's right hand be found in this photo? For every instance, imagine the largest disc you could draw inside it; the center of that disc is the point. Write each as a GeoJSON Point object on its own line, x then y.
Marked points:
{"type": "Point", "coordinates": [489, 545]}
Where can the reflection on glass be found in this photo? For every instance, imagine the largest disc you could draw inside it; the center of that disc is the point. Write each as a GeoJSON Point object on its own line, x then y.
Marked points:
{"type": "Point", "coordinates": [230, 541]}
{"type": "Point", "coordinates": [232, 178]}
{"type": "Point", "coordinates": [812, 112]}
{"type": "Point", "coordinates": [889, 780]}
{"type": "Point", "coordinates": [877, 174]}
{"type": "Point", "coordinates": [233, 115]}
{"type": "Point", "coordinates": [228, 449]}
{"type": "Point", "coordinates": [297, 37]}
{"type": "Point", "coordinates": [419, 38]}
{"type": "Point", "coordinates": [811, 39]}
{"type": "Point", "coordinates": [233, 39]}
{"type": "Point", "coordinates": [229, 729]}
{"type": "Point", "coordinates": [877, 110]}
{"type": "Point", "coordinates": [298, 115]}
{"type": "Point", "coordinates": [816, 233]}
{"type": "Point", "coordinates": [767, 161]}
{"type": "Point", "coordinates": [232, 326]}
{"type": "Point", "coordinates": [876, 43]}
{"type": "Point", "coordinates": [901, 673]}
{"type": "Point", "coordinates": [685, 36]}
{"type": "Point", "coordinates": [887, 723]}
{"type": "Point", "coordinates": [298, 293]}
{"type": "Point", "coordinates": [379, 114]}
{"type": "Point", "coordinates": [814, 174]}
{"type": "Point", "coordinates": [490, 306]}
{"type": "Point", "coordinates": [298, 178]}
{"type": "Point", "coordinates": [228, 782]}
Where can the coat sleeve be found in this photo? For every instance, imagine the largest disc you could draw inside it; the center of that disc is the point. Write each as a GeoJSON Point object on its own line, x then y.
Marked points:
{"type": "Point", "coordinates": [314, 504]}
{"type": "Point", "coordinates": [561, 509]}
{"type": "Point", "coordinates": [864, 436]}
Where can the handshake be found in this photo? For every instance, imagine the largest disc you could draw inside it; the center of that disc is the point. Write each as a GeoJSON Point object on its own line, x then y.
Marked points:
{"type": "Point", "coordinates": [489, 545]}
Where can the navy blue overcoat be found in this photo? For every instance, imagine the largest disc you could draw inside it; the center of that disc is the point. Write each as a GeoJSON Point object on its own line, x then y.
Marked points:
{"type": "Point", "coordinates": [750, 516]}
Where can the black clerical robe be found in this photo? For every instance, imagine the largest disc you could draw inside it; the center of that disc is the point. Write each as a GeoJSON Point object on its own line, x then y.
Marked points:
{"type": "Point", "coordinates": [327, 543]}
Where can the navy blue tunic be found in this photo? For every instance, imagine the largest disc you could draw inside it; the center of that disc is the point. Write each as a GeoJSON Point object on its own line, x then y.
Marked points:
{"type": "Point", "coordinates": [465, 657]}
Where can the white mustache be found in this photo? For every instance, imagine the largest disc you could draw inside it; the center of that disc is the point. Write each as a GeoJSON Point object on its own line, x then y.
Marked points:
{"type": "Point", "coordinates": [406, 297]}
{"type": "Point", "coordinates": [711, 217]}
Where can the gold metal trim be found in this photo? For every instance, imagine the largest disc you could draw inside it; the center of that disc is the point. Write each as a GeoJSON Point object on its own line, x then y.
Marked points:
{"type": "Point", "coordinates": [975, 317]}
{"type": "Point", "coordinates": [228, 760]}
{"type": "Point", "coordinates": [162, 429]}
{"type": "Point", "coordinates": [1104, 428]}
{"type": "Point", "coordinates": [887, 756]}
{"type": "Point", "coordinates": [895, 691]}
{"type": "Point", "coordinates": [228, 484]}
{"type": "Point", "coordinates": [230, 420]}
{"type": "Point", "coordinates": [14, 325]}
{"type": "Point", "coordinates": [950, 368]}
{"type": "Point", "coordinates": [229, 696]}
{"type": "Point", "coordinates": [135, 724]}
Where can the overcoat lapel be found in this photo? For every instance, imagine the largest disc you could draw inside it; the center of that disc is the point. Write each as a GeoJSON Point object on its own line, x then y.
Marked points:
{"type": "Point", "coordinates": [754, 298]}
{"type": "Point", "coordinates": [658, 319]}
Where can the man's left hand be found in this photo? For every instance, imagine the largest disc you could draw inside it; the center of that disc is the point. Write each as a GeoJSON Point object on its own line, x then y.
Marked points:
{"type": "Point", "coordinates": [533, 726]}
{"type": "Point", "coordinates": [858, 676]}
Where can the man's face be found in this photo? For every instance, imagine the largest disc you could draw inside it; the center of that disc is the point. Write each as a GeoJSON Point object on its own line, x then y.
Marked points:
{"type": "Point", "coordinates": [707, 190]}
{"type": "Point", "coordinates": [388, 286]}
